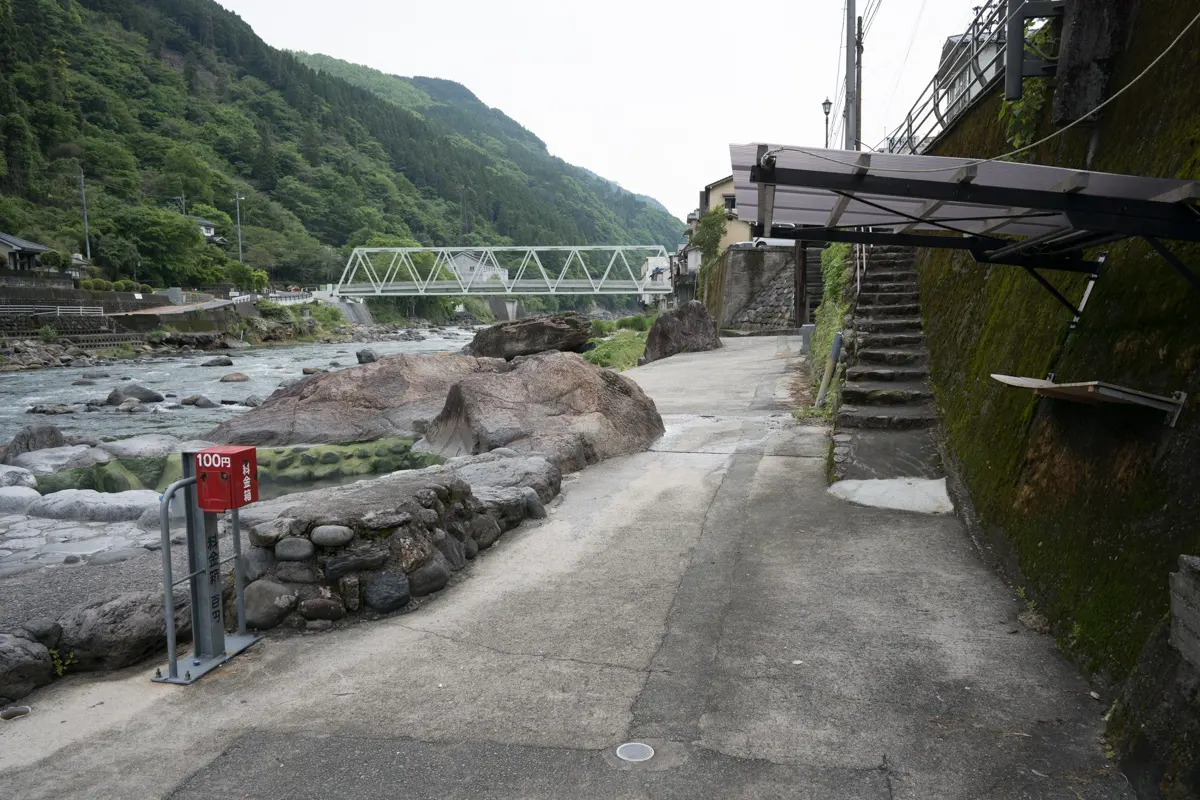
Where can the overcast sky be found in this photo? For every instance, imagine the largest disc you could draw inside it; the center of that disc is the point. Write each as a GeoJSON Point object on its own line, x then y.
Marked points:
{"type": "Point", "coordinates": [648, 93]}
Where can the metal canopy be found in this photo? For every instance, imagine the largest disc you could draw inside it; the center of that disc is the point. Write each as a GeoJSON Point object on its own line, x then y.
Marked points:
{"type": "Point", "coordinates": [1094, 392]}
{"type": "Point", "coordinates": [1026, 215]}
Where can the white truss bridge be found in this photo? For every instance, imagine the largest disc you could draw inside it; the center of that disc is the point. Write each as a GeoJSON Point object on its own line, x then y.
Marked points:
{"type": "Point", "coordinates": [499, 271]}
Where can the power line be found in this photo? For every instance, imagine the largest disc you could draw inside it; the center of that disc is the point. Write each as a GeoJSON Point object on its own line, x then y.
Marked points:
{"type": "Point", "coordinates": [912, 37]}
{"type": "Point", "coordinates": [1028, 147]}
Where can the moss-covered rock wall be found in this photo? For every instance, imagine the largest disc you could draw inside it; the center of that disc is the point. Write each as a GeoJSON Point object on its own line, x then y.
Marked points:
{"type": "Point", "coordinates": [1089, 507]}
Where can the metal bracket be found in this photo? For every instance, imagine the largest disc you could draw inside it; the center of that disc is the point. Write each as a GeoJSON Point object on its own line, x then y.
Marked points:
{"type": "Point", "coordinates": [1076, 311]}
{"type": "Point", "coordinates": [1174, 261]}
{"type": "Point", "coordinates": [1016, 66]}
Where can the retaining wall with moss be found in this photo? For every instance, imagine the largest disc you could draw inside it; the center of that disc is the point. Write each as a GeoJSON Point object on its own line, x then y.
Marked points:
{"type": "Point", "coordinates": [1089, 507]}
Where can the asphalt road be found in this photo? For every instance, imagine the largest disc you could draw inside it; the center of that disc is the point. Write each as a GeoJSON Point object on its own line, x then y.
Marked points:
{"type": "Point", "coordinates": [708, 598]}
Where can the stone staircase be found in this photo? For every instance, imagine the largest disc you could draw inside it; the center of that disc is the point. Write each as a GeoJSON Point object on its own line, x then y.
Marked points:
{"type": "Point", "coordinates": [886, 386]}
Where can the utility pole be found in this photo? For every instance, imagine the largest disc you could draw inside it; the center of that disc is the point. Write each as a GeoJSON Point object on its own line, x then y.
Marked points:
{"type": "Point", "coordinates": [858, 89]}
{"type": "Point", "coordinates": [237, 199]}
{"type": "Point", "coordinates": [87, 241]}
{"type": "Point", "coordinates": [181, 198]}
{"type": "Point", "coordinates": [851, 137]}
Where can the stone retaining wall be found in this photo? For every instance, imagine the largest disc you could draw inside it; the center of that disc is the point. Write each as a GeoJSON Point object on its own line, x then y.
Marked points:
{"type": "Point", "coordinates": [112, 302]}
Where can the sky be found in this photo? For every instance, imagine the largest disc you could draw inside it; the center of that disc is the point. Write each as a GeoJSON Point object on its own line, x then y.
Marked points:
{"type": "Point", "coordinates": [647, 93]}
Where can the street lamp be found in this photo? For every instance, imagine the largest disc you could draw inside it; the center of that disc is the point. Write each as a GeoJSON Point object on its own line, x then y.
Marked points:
{"type": "Point", "coordinates": [827, 107]}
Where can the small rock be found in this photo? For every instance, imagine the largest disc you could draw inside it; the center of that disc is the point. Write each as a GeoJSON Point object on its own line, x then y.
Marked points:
{"type": "Point", "coordinates": [51, 408]}
{"type": "Point", "coordinates": [83, 382]}
{"type": "Point", "coordinates": [295, 572]}
{"type": "Point", "coordinates": [17, 476]}
{"type": "Point", "coordinates": [24, 666]}
{"type": "Point", "coordinates": [307, 459]}
{"type": "Point", "coordinates": [485, 531]}
{"type": "Point", "coordinates": [219, 361]}
{"type": "Point", "coordinates": [317, 626]}
{"type": "Point", "coordinates": [367, 356]}
{"type": "Point", "coordinates": [71, 559]}
{"type": "Point", "coordinates": [331, 535]}
{"type": "Point", "coordinates": [534, 509]}
{"type": "Point", "coordinates": [235, 377]}
{"type": "Point", "coordinates": [199, 401]}
{"type": "Point", "coordinates": [115, 556]}
{"type": "Point", "coordinates": [313, 370]}
{"type": "Point", "coordinates": [322, 608]}
{"type": "Point", "coordinates": [45, 632]}
{"type": "Point", "coordinates": [329, 457]}
{"type": "Point", "coordinates": [267, 603]}
{"type": "Point", "coordinates": [386, 592]}
{"type": "Point", "coordinates": [365, 559]}
{"type": "Point", "coordinates": [293, 548]}
{"type": "Point", "coordinates": [349, 588]}
{"type": "Point", "coordinates": [95, 375]}
{"type": "Point", "coordinates": [266, 534]}
{"type": "Point", "coordinates": [253, 401]}
{"type": "Point", "coordinates": [430, 577]}
{"type": "Point", "coordinates": [256, 562]}
{"type": "Point", "coordinates": [132, 406]}
{"type": "Point", "coordinates": [451, 548]}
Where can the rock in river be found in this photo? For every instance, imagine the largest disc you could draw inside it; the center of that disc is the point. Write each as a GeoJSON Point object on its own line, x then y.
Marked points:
{"type": "Point", "coordinates": [364, 403]}
{"type": "Point", "coordinates": [235, 377]}
{"type": "Point", "coordinates": [219, 361]}
{"type": "Point", "coordinates": [30, 438]}
{"type": "Point", "coordinates": [552, 403]}
{"type": "Point", "coordinates": [565, 332]}
{"type": "Point", "coordinates": [199, 401]}
{"type": "Point", "coordinates": [132, 391]}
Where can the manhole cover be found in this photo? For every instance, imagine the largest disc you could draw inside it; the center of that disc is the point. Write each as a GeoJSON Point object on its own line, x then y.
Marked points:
{"type": "Point", "coordinates": [635, 751]}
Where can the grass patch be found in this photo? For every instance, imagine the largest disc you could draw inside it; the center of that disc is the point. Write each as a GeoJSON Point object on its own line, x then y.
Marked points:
{"type": "Point", "coordinates": [621, 352]}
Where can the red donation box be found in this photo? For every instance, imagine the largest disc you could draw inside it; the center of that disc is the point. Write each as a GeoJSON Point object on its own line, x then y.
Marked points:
{"type": "Point", "coordinates": [226, 477]}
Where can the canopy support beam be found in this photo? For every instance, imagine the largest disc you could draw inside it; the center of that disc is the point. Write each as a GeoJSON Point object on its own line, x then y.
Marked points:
{"type": "Point", "coordinates": [1174, 261]}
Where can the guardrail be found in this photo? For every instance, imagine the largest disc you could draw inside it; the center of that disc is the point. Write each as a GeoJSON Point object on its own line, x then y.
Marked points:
{"type": "Point", "coordinates": [58, 311]}
{"type": "Point", "coordinates": [249, 297]}
{"type": "Point", "coordinates": [291, 298]}
{"type": "Point", "coordinates": [967, 72]}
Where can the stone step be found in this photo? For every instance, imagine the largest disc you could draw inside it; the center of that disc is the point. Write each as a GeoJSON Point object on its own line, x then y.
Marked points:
{"type": "Point", "coordinates": [893, 356]}
{"type": "Point", "coordinates": [875, 372]}
{"type": "Point", "coordinates": [872, 285]}
{"type": "Point", "coordinates": [885, 393]}
{"type": "Point", "coordinates": [888, 298]}
{"type": "Point", "coordinates": [887, 324]}
{"type": "Point", "coordinates": [898, 310]}
{"type": "Point", "coordinates": [890, 276]}
{"type": "Point", "coordinates": [890, 417]}
{"type": "Point", "coordinates": [903, 339]}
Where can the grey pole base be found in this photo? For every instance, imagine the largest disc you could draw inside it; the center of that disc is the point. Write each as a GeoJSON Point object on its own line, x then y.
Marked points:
{"type": "Point", "coordinates": [194, 669]}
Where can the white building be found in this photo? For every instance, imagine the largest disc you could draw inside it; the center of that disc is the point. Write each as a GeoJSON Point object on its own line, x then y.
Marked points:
{"type": "Point", "coordinates": [475, 268]}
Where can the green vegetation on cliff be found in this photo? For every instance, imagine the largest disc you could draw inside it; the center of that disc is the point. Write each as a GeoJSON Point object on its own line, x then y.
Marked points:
{"type": "Point", "coordinates": [166, 104]}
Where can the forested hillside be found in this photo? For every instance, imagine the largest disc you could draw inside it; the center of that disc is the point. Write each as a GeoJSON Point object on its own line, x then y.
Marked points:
{"type": "Point", "coordinates": [170, 104]}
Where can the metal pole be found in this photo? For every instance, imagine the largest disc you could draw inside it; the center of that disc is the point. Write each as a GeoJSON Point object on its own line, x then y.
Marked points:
{"type": "Point", "coordinates": [851, 78]}
{"type": "Point", "coordinates": [858, 89]}
{"type": "Point", "coordinates": [164, 516]}
{"type": "Point", "coordinates": [87, 243]}
{"type": "Point", "coordinates": [801, 278]}
{"type": "Point", "coordinates": [826, 130]}
{"type": "Point", "coordinates": [237, 199]}
{"type": "Point", "coordinates": [835, 352]}
{"type": "Point", "coordinates": [239, 597]}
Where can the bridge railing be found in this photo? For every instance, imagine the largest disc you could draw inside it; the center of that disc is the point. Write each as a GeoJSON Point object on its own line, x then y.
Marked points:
{"type": "Point", "coordinates": [499, 271]}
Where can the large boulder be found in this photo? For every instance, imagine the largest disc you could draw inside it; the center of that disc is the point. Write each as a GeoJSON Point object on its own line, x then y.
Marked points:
{"type": "Point", "coordinates": [24, 666]}
{"type": "Point", "coordinates": [120, 631]}
{"type": "Point", "coordinates": [500, 469]}
{"type": "Point", "coordinates": [552, 403]}
{"type": "Point", "coordinates": [16, 499]}
{"type": "Point", "coordinates": [132, 391]}
{"type": "Point", "coordinates": [57, 459]}
{"type": "Point", "coordinates": [686, 329]}
{"type": "Point", "coordinates": [149, 445]}
{"type": "Point", "coordinates": [17, 476]}
{"type": "Point", "coordinates": [389, 397]}
{"type": "Point", "coordinates": [523, 337]}
{"type": "Point", "coordinates": [30, 438]}
{"type": "Point", "coordinates": [88, 505]}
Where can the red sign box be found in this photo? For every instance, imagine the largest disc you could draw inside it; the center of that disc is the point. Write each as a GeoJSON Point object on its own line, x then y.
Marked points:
{"type": "Point", "coordinates": [226, 477]}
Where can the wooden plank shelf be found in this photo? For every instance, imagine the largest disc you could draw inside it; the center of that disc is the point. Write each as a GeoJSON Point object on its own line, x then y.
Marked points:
{"type": "Point", "coordinates": [1095, 392]}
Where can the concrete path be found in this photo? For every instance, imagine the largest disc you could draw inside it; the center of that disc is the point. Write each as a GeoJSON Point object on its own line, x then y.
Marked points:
{"type": "Point", "coordinates": [709, 598]}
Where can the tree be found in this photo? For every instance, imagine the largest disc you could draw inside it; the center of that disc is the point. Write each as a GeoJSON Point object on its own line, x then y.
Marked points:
{"type": "Point", "coordinates": [709, 231]}
{"type": "Point", "coordinates": [115, 255]}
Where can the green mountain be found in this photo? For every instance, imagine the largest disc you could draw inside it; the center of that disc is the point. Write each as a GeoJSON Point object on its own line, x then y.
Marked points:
{"type": "Point", "coordinates": [164, 105]}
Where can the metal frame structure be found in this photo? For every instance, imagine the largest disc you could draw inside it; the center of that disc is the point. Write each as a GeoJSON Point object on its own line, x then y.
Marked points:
{"type": "Point", "coordinates": [994, 40]}
{"type": "Point", "coordinates": [951, 203]}
{"type": "Point", "coordinates": [393, 271]}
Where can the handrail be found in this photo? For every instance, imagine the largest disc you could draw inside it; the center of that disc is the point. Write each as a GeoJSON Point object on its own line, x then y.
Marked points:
{"type": "Point", "coordinates": [164, 518]}
{"type": "Point", "coordinates": [58, 311]}
{"type": "Point", "coordinates": [935, 109]}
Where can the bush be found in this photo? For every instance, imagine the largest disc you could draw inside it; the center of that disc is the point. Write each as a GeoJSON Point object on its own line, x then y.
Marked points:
{"type": "Point", "coordinates": [835, 275]}
{"type": "Point", "coordinates": [102, 285]}
{"type": "Point", "coordinates": [327, 317]}
{"type": "Point", "coordinates": [274, 311]}
{"type": "Point", "coordinates": [620, 352]}
{"type": "Point", "coordinates": [603, 327]}
{"type": "Point", "coordinates": [47, 334]}
{"type": "Point", "coordinates": [146, 288]}
{"type": "Point", "coordinates": [87, 284]}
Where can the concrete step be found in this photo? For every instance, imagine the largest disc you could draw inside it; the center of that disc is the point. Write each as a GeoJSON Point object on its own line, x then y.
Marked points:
{"type": "Point", "coordinates": [876, 372]}
{"type": "Point", "coordinates": [898, 310]}
{"type": "Point", "coordinates": [890, 417]}
{"type": "Point", "coordinates": [872, 285]}
{"type": "Point", "coordinates": [885, 393]}
{"type": "Point", "coordinates": [899, 356]}
{"type": "Point", "coordinates": [904, 339]}
{"type": "Point", "coordinates": [887, 324]}
{"type": "Point", "coordinates": [888, 298]}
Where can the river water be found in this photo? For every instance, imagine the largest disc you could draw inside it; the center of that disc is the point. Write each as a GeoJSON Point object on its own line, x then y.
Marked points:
{"type": "Point", "coordinates": [183, 376]}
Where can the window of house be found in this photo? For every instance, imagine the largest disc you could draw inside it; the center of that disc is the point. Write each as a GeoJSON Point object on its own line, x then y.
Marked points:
{"type": "Point", "coordinates": [730, 202]}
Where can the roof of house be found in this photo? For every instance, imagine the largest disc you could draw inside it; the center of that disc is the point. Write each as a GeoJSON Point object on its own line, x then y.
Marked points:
{"type": "Point", "coordinates": [727, 178]}
{"type": "Point", "coordinates": [202, 221]}
{"type": "Point", "coordinates": [17, 243]}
